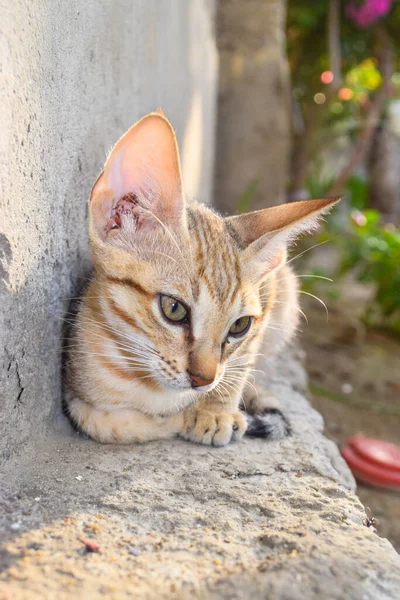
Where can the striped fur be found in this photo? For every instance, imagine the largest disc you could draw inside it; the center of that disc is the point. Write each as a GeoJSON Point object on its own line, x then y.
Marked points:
{"type": "Point", "coordinates": [130, 371]}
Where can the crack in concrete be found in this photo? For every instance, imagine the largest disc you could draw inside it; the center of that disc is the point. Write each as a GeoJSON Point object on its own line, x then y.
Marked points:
{"type": "Point", "coordinates": [12, 359]}
{"type": "Point", "coordinates": [21, 387]}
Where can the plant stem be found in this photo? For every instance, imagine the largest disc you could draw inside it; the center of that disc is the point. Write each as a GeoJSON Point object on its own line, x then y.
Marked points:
{"type": "Point", "coordinates": [366, 135]}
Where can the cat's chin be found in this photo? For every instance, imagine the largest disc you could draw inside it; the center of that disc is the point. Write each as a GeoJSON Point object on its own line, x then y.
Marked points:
{"type": "Point", "coordinates": [189, 390]}
{"type": "Point", "coordinates": [174, 399]}
{"type": "Point", "coordinates": [184, 388]}
{"type": "Point", "coordinates": [172, 405]}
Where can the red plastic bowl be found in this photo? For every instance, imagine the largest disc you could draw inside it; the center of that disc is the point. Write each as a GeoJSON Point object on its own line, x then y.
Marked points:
{"type": "Point", "coordinates": [373, 461]}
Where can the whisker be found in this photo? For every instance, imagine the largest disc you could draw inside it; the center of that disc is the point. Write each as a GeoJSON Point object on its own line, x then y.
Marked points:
{"type": "Point", "coordinates": [220, 394]}
{"type": "Point", "coordinates": [242, 400]}
{"type": "Point", "coordinates": [218, 391]}
{"type": "Point", "coordinates": [243, 355]}
{"type": "Point", "coordinates": [250, 370]}
{"type": "Point", "coordinates": [319, 300]}
{"type": "Point", "coordinates": [165, 255]}
{"type": "Point", "coordinates": [188, 273]}
{"type": "Point", "coordinates": [72, 343]}
{"type": "Point", "coordinates": [123, 347]}
{"type": "Point", "coordinates": [315, 277]}
{"type": "Point", "coordinates": [122, 359]}
{"type": "Point", "coordinates": [310, 276]}
{"type": "Point", "coordinates": [296, 307]}
{"type": "Point", "coordinates": [129, 367]}
{"type": "Point", "coordinates": [272, 328]}
{"type": "Point", "coordinates": [227, 387]}
{"type": "Point", "coordinates": [102, 325]}
{"type": "Point", "coordinates": [243, 379]}
{"type": "Point", "coordinates": [306, 250]}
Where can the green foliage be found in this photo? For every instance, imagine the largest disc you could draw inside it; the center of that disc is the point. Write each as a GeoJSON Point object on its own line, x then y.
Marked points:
{"type": "Point", "coordinates": [328, 112]}
{"type": "Point", "coordinates": [372, 251]}
{"type": "Point", "coordinates": [379, 407]}
{"type": "Point", "coordinates": [364, 77]}
{"type": "Point", "coordinates": [307, 48]}
{"type": "Point", "coordinates": [358, 188]}
{"type": "Point", "coordinates": [369, 249]}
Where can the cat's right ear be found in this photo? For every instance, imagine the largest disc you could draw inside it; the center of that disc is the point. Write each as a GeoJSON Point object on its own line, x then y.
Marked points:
{"type": "Point", "coordinates": [141, 181]}
{"type": "Point", "coordinates": [265, 234]}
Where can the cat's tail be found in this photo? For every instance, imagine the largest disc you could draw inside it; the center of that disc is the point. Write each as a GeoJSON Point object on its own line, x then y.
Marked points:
{"type": "Point", "coordinates": [270, 424]}
{"type": "Point", "coordinates": [263, 415]}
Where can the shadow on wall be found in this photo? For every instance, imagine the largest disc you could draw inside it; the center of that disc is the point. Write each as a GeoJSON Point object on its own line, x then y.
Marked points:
{"type": "Point", "coordinates": [81, 77]}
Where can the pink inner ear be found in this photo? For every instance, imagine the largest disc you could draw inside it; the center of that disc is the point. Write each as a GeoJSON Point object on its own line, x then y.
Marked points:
{"type": "Point", "coordinates": [125, 172]}
{"type": "Point", "coordinates": [142, 176]}
{"type": "Point", "coordinates": [145, 160]}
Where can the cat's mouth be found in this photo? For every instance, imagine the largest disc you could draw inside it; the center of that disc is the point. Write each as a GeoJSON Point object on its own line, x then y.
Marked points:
{"type": "Point", "coordinates": [203, 389]}
{"type": "Point", "coordinates": [185, 384]}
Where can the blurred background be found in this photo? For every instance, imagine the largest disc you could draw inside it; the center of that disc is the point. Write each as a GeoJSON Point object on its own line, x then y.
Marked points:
{"type": "Point", "coordinates": [345, 98]}
{"type": "Point", "coordinates": [325, 92]}
{"type": "Point", "coordinates": [272, 101]}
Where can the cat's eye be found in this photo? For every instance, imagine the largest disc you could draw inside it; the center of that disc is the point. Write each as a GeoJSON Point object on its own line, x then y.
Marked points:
{"type": "Point", "coordinates": [240, 327]}
{"type": "Point", "coordinates": [172, 309]}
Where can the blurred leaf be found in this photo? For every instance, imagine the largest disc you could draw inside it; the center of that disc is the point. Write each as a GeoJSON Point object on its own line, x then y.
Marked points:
{"type": "Point", "coordinates": [358, 192]}
{"type": "Point", "coordinates": [371, 252]}
{"type": "Point", "coordinates": [364, 77]}
{"type": "Point", "coordinates": [379, 407]}
{"type": "Point", "coordinates": [372, 217]}
{"type": "Point", "coordinates": [367, 248]}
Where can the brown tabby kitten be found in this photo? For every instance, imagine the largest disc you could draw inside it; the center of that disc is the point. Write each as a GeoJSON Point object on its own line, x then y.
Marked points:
{"type": "Point", "coordinates": [169, 327]}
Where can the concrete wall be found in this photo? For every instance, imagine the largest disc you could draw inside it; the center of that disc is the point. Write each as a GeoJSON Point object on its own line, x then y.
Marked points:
{"type": "Point", "coordinates": [253, 135]}
{"type": "Point", "coordinates": [76, 76]}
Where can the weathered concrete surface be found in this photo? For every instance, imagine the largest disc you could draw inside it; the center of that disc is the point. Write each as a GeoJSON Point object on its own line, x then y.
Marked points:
{"type": "Point", "coordinates": [253, 133]}
{"type": "Point", "coordinates": [174, 520]}
{"type": "Point", "coordinates": [74, 76]}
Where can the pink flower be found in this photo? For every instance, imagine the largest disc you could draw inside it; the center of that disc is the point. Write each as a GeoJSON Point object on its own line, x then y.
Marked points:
{"type": "Point", "coordinates": [358, 218]}
{"type": "Point", "coordinates": [368, 12]}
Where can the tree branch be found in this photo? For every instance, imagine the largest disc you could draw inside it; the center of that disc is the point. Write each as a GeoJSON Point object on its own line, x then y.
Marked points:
{"type": "Point", "coordinates": [363, 142]}
{"type": "Point", "coordinates": [314, 114]}
{"type": "Point", "coordinates": [335, 54]}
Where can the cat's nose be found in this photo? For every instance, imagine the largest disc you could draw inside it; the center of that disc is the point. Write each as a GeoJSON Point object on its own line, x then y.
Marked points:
{"type": "Point", "coordinates": [198, 380]}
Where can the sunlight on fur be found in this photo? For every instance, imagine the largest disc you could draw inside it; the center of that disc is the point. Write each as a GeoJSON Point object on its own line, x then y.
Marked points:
{"type": "Point", "coordinates": [169, 328]}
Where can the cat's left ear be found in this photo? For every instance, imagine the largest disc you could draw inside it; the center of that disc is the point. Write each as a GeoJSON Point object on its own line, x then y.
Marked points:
{"type": "Point", "coordinates": [265, 234]}
{"type": "Point", "coordinates": [141, 179]}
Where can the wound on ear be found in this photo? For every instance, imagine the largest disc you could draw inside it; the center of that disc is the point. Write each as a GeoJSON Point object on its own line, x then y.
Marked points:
{"type": "Point", "coordinates": [124, 206]}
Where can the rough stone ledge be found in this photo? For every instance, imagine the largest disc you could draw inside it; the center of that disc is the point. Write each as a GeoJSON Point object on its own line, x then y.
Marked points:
{"type": "Point", "coordinates": [173, 520]}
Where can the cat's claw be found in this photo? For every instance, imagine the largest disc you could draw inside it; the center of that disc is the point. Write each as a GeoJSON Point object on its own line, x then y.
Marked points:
{"type": "Point", "coordinates": [214, 429]}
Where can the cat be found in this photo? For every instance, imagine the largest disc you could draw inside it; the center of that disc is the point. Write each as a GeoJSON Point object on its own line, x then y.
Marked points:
{"type": "Point", "coordinates": [168, 329]}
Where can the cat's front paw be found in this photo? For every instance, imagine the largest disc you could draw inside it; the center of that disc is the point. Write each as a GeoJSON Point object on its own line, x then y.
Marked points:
{"type": "Point", "coordinates": [204, 426]}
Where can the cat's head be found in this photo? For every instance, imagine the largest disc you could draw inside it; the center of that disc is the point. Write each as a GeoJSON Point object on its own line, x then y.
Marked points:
{"type": "Point", "coordinates": [186, 289]}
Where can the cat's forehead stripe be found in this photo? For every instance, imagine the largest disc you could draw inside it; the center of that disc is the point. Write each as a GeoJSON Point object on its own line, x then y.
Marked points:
{"type": "Point", "coordinates": [127, 281]}
{"type": "Point", "coordinates": [123, 315]}
{"type": "Point", "coordinates": [216, 257]}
